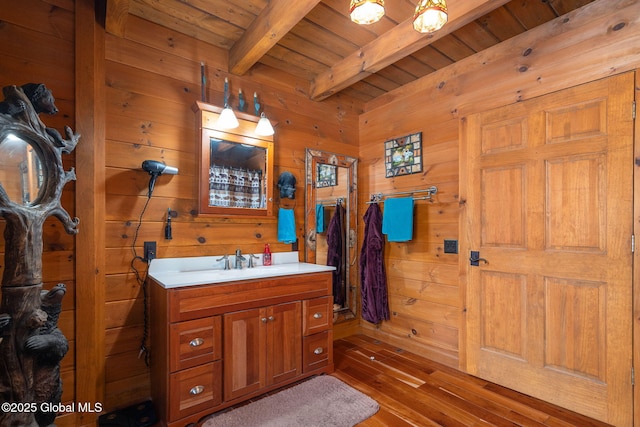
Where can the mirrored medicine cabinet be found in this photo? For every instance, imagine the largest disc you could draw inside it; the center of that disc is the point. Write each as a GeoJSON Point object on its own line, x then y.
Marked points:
{"type": "Point", "coordinates": [235, 166]}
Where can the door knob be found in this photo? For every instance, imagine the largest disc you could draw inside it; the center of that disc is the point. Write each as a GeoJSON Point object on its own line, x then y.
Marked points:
{"type": "Point", "coordinates": [474, 259]}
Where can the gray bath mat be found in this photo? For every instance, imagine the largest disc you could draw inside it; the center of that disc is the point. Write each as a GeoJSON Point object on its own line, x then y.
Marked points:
{"type": "Point", "coordinates": [322, 401]}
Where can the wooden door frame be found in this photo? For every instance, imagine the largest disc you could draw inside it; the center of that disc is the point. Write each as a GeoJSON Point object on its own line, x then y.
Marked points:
{"type": "Point", "coordinates": [636, 256]}
{"type": "Point", "coordinates": [90, 207]}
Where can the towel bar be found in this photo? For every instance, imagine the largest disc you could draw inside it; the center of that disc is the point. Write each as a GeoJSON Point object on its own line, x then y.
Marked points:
{"type": "Point", "coordinates": [378, 198]}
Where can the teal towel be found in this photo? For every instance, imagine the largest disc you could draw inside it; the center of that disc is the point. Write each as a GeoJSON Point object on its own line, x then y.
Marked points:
{"type": "Point", "coordinates": [319, 218]}
{"type": "Point", "coordinates": [397, 220]}
{"type": "Point", "coordinates": [286, 226]}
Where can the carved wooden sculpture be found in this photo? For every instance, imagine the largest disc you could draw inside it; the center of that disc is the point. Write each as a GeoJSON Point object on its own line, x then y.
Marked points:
{"type": "Point", "coordinates": [31, 345]}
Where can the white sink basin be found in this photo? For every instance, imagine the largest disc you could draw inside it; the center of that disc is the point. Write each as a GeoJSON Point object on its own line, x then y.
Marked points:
{"type": "Point", "coordinates": [179, 272]}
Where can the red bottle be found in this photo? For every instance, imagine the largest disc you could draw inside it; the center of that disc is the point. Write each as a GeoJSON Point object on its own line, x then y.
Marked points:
{"type": "Point", "coordinates": [266, 259]}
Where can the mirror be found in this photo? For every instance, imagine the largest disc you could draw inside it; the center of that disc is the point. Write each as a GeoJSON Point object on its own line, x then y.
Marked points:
{"type": "Point", "coordinates": [21, 170]}
{"type": "Point", "coordinates": [236, 166]}
{"type": "Point", "coordinates": [330, 223]}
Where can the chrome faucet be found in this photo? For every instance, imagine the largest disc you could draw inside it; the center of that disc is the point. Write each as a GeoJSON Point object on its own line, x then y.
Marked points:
{"type": "Point", "coordinates": [239, 259]}
{"type": "Point", "coordinates": [226, 261]}
{"type": "Point", "coordinates": [251, 261]}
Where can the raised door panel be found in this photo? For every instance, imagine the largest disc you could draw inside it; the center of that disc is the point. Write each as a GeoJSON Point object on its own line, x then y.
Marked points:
{"type": "Point", "coordinates": [244, 358]}
{"type": "Point", "coordinates": [284, 342]}
{"type": "Point", "coordinates": [504, 323]}
{"type": "Point", "coordinates": [502, 188]}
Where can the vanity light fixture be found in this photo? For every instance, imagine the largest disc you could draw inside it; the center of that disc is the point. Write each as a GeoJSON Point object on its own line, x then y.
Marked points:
{"type": "Point", "coordinates": [430, 16]}
{"type": "Point", "coordinates": [366, 11]}
{"type": "Point", "coordinates": [264, 128]}
{"type": "Point", "coordinates": [227, 118]}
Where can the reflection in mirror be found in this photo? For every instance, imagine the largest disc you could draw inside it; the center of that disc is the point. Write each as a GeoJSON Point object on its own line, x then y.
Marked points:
{"type": "Point", "coordinates": [21, 170]}
{"type": "Point", "coordinates": [236, 175]}
{"type": "Point", "coordinates": [330, 223]}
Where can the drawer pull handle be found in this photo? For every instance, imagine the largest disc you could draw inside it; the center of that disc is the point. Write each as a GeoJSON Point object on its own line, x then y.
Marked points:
{"type": "Point", "coordinates": [318, 350]}
{"type": "Point", "coordinates": [264, 320]}
{"type": "Point", "coordinates": [272, 318]}
{"type": "Point", "coordinates": [196, 390]}
{"type": "Point", "coordinates": [317, 316]}
{"type": "Point", "coordinates": [196, 342]}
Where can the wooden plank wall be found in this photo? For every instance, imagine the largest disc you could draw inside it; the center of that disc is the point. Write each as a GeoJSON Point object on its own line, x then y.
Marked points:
{"type": "Point", "coordinates": [152, 81]}
{"type": "Point", "coordinates": [38, 46]}
{"type": "Point", "coordinates": [425, 294]}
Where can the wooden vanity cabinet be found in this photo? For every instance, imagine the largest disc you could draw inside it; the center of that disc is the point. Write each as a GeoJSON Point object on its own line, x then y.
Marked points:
{"type": "Point", "coordinates": [213, 346]}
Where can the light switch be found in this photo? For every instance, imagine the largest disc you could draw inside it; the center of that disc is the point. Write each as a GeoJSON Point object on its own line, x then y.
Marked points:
{"type": "Point", "coordinates": [450, 246]}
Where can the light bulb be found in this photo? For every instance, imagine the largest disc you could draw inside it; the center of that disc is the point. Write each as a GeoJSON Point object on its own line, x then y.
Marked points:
{"type": "Point", "coordinates": [264, 127]}
{"type": "Point", "coordinates": [227, 119]}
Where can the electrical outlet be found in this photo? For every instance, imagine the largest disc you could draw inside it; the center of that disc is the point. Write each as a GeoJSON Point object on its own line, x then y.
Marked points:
{"type": "Point", "coordinates": [450, 246]}
{"type": "Point", "coordinates": [149, 251]}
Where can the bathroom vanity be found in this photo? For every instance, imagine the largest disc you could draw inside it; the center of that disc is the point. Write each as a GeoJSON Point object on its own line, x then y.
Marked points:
{"type": "Point", "coordinates": [220, 337]}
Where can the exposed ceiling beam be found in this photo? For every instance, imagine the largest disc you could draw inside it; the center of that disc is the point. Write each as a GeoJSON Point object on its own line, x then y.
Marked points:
{"type": "Point", "coordinates": [117, 12]}
{"type": "Point", "coordinates": [275, 21]}
{"type": "Point", "coordinates": [393, 45]}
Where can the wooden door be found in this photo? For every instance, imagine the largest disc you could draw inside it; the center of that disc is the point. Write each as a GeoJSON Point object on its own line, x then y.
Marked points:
{"type": "Point", "coordinates": [284, 342]}
{"type": "Point", "coordinates": [548, 190]}
{"type": "Point", "coordinates": [244, 352]}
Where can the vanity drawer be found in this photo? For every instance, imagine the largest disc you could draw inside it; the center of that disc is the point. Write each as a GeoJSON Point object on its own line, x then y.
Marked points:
{"type": "Point", "coordinates": [195, 389]}
{"type": "Point", "coordinates": [317, 351]}
{"type": "Point", "coordinates": [317, 315]}
{"type": "Point", "coordinates": [195, 342]}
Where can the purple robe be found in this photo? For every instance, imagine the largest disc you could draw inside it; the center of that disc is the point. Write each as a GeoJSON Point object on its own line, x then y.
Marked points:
{"type": "Point", "coordinates": [335, 253]}
{"type": "Point", "coordinates": [373, 278]}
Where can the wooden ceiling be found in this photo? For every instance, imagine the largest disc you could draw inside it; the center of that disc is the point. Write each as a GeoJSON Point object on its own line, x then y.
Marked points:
{"type": "Point", "coordinates": [315, 39]}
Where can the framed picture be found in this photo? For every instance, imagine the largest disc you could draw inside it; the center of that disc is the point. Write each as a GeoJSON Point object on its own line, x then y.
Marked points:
{"type": "Point", "coordinates": [327, 176]}
{"type": "Point", "coordinates": [403, 156]}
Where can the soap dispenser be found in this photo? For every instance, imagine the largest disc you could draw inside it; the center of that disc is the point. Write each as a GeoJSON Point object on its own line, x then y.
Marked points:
{"type": "Point", "coordinates": [266, 258]}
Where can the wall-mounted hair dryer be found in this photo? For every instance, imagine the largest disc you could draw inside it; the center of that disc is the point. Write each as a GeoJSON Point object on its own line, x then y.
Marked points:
{"type": "Point", "coordinates": [155, 169]}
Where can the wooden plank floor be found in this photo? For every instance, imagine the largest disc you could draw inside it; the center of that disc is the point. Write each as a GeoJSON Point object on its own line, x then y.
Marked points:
{"type": "Point", "coordinates": [414, 391]}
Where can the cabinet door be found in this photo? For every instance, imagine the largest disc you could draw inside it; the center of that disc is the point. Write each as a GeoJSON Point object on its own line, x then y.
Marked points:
{"type": "Point", "coordinates": [244, 355]}
{"type": "Point", "coordinates": [284, 342]}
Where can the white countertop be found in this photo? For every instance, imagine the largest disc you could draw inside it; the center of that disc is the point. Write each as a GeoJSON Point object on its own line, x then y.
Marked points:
{"type": "Point", "coordinates": [192, 271]}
